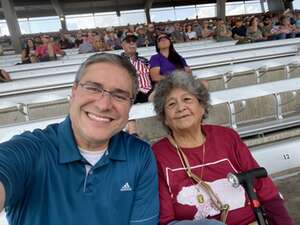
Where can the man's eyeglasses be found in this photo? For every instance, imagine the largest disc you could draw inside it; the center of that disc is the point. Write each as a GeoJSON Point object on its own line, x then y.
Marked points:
{"type": "Point", "coordinates": [97, 90]}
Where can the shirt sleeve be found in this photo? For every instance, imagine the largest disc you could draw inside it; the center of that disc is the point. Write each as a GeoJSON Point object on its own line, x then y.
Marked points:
{"type": "Point", "coordinates": [265, 188]}
{"type": "Point", "coordinates": [16, 166]}
{"type": "Point", "coordinates": [145, 210]}
{"type": "Point", "coordinates": [276, 212]}
{"type": "Point", "coordinates": [154, 61]}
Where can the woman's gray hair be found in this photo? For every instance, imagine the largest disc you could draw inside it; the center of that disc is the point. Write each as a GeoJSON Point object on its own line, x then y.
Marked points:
{"type": "Point", "coordinates": [113, 59]}
{"type": "Point", "coordinates": [182, 80]}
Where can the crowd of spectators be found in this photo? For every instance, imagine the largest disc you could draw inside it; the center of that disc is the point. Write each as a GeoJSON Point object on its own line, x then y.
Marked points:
{"type": "Point", "coordinates": [244, 29]}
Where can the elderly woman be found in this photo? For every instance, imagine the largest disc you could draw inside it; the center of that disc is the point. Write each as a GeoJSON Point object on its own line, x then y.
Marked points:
{"type": "Point", "coordinates": [194, 160]}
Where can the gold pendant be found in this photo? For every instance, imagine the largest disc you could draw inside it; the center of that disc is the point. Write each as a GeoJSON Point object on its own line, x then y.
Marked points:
{"type": "Point", "coordinates": [200, 198]}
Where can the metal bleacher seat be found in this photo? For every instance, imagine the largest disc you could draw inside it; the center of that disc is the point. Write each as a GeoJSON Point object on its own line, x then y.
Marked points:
{"type": "Point", "coordinates": [195, 62]}
{"type": "Point", "coordinates": [227, 97]}
{"type": "Point", "coordinates": [75, 60]}
{"type": "Point", "coordinates": [72, 54]}
{"type": "Point", "coordinates": [291, 49]}
{"type": "Point", "coordinates": [24, 102]}
{"type": "Point", "coordinates": [230, 99]}
{"type": "Point", "coordinates": [22, 94]}
{"type": "Point", "coordinates": [248, 73]}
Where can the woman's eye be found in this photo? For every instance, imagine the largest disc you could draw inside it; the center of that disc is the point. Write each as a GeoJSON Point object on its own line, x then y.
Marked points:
{"type": "Point", "coordinates": [171, 104]}
{"type": "Point", "coordinates": [187, 99]}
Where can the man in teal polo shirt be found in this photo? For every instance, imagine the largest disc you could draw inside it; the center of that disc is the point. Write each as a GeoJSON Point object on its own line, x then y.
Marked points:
{"type": "Point", "coordinates": [85, 170]}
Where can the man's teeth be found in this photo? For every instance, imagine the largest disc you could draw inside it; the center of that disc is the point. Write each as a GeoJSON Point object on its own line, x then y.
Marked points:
{"type": "Point", "coordinates": [98, 118]}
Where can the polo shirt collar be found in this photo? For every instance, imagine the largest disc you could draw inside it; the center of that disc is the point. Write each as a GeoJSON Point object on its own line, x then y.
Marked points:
{"type": "Point", "coordinates": [68, 150]}
{"type": "Point", "coordinates": [117, 147]}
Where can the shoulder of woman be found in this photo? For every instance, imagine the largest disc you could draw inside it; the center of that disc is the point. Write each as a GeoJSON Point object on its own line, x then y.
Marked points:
{"type": "Point", "coordinates": [153, 57]}
{"type": "Point", "coordinates": [219, 130]}
{"type": "Point", "coordinates": [160, 144]}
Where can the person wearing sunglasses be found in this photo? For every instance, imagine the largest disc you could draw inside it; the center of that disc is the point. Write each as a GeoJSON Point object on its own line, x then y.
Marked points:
{"type": "Point", "coordinates": [141, 64]}
{"type": "Point", "coordinates": [166, 60]}
{"type": "Point", "coordinates": [85, 169]}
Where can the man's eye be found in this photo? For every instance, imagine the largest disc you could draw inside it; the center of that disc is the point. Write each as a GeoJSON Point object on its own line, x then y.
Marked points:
{"type": "Point", "coordinates": [120, 97]}
{"type": "Point", "coordinates": [92, 89]}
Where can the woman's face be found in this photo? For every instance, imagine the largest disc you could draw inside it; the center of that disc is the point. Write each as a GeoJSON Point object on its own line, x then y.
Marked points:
{"type": "Point", "coordinates": [163, 42]}
{"type": "Point", "coordinates": [183, 111]}
{"type": "Point", "coordinates": [30, 43]}
{"type": "Point", "coordinates": [255, 21]}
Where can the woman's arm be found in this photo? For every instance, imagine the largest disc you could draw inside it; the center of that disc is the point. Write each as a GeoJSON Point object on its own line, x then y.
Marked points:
{"type": "Point", "coordinates": [155, 74]}
{"type": "Point", "coordinates": [276, 212]}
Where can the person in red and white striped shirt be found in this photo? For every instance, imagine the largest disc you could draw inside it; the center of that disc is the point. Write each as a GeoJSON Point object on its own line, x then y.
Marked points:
{"type": "Point", "coordinates": [141, 65]}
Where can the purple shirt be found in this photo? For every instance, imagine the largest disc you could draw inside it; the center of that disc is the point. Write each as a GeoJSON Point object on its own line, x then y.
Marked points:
{"type": "Point", "coordinates": [165, 65]}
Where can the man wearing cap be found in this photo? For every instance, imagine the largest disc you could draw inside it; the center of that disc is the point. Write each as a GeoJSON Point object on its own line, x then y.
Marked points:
{"type": "Point", "coordinates": [141, 65]}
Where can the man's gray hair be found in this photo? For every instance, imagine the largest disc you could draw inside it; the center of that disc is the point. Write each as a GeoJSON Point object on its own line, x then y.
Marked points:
{"type": "Point", "coordinates": [179, 79]}
{"type": "Point", "coordinates": [113, 59]}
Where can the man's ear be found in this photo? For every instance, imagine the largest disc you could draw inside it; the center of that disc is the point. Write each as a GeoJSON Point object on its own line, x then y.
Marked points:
{"type": "Point", "coordinates": [73, 91]}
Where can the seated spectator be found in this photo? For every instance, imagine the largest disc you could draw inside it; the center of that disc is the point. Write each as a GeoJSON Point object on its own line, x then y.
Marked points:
{"type": "Point", "coordinates": [141, 36]}
{"type": "Point", "coordinates": [190, 33]}
{"type": "Point", "coordinates": [4, 76]}
{"type": "Point", "coordinates": [151, 35]}
{"type": "Point", "coordinates": [206, 32]}
{"type": "Point", "coordinates": [78, 39]}
{"type": "Point", "coordinates": [86, 46]}
{"type": "Point", "coordinates": [254, 32]}
{"type": "Point", "coordinates": [65, 42]}
{"type": "Point", "coordinates": [286, 29]}
{"type": "Point", "coordinates": [28, 52]}
{"type": "Point", "coordinates": [37, 41]}
{"type": "Point", "coordinates": [111, 40]}
{"type": "Point", "coordinates": [297, 24]}
{"type": "Point", "coordinates": [98, 44]}
{"type": "Point", "coordinates": [169, 29]}
{"type": "Point", "coordinates": [48, 51]}
{"type": "Point", "coordinates": [178, 36]}
{"type": "Point", "coordinates": [239, 32]}
{"type": "Point", "coordinates": [166, 60]}
{"type": "Point", "coordinates": [221, 32]}
{"type": "Point", "coordinates": [268, 30]}
{"type": "Point", "coordinates": [141, 65]}
{"type": "Point", "coordinates": [193, 161]}
{"type": "Point", "coordinates": [197, 28]}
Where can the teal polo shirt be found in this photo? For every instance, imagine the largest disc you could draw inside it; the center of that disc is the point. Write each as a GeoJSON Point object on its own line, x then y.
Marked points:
{"type": "Point", "coordinates": [46, 182]}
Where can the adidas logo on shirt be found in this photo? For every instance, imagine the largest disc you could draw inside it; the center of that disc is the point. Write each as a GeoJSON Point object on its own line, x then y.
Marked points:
{"type": "Point", "coordinates": [126, 187]}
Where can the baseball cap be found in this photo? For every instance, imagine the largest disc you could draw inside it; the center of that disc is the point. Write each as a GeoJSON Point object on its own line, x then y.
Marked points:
{"type": "Point", "coordinates": [129, 35]}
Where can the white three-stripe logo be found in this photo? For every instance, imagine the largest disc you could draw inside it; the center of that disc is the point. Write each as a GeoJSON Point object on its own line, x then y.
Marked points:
{"type": "Point", "coordinates": [126, 187]}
